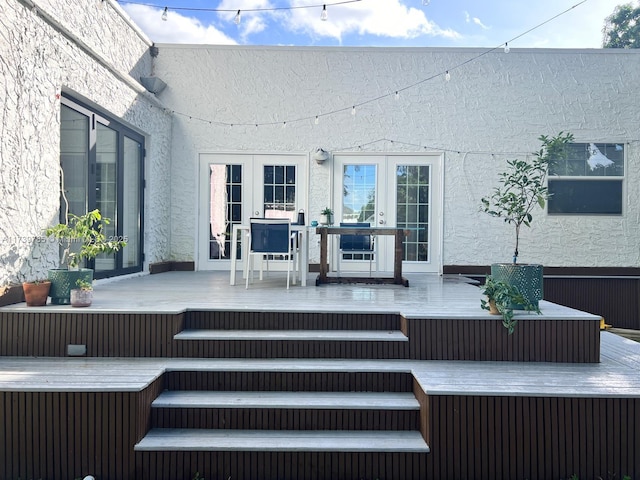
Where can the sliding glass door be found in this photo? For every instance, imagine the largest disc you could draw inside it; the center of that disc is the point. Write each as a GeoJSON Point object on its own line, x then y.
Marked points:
{"type": "Point", "coordinates": [102, 167]}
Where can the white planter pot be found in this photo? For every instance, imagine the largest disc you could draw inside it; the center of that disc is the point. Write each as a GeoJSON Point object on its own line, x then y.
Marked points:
{"type": "Point", "coordinates": [81, 298]}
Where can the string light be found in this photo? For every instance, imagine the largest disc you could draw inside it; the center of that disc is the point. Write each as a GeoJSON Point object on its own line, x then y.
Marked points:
{"type": "Point", "coordinates": [265, 9]}
{"type": "Point", "coordinates": [506, 47]}
{"type": "Point", "coordinates": [397, 95]}
{"type": "Point", "coordinates": [323, 15]}
{"type": "Point", "coordinates": [236, 19]}
{"type": "Point", "coordinates": [447, 76]}
{"type": "Point", "coordinates": [165, 14]}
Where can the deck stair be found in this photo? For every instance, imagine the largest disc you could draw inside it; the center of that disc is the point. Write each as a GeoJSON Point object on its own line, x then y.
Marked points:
{"type": "Point", "coordinates": [232, 415]}
{"type": "Point", "coordinates": [301, 335]}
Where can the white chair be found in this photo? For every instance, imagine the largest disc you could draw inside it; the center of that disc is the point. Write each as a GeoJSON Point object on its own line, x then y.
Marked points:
{"type": "Point", "coordinates": [271, 237]}
{"type": "Point", "coordinates": [357, 245]}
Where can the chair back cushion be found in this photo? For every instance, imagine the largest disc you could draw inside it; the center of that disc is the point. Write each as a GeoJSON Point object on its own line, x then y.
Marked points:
{"type": "Point", "coordinates": [270, 235]}
{"type": "Point", "coordinates": [355, 242]}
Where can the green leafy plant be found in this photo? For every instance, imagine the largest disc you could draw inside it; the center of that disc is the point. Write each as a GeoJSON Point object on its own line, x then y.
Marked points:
{"type": "Point", "coordinates": [503, 297]}
{"type": "Point", "coordinates": [84, 285]}
{"type": "Point", "coordinates": [326, 211]}
{"type": "Point", "coordinates": [523, 185]}
{"type": "Point", "coordinates": [86, 234]}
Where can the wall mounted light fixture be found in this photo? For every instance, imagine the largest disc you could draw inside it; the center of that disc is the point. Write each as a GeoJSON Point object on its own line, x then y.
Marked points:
{"type": "Point", "coordinates": [321, 156]}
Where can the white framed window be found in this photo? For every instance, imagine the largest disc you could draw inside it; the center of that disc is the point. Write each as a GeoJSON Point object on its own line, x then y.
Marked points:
{"type": "Point", "coordinates": [589, 181]}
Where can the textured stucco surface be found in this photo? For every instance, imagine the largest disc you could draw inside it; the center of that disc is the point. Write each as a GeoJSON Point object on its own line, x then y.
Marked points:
{"type": "Point", "coordinates": [495, 104]}
{"type": "Point", "coordinates": [97, 57]}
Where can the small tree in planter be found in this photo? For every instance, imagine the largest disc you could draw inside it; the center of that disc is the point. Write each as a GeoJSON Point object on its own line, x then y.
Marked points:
{"type": "Point", "coordinates": [81, 237]}
{"type": "Point", "coordinates": [523, 189]}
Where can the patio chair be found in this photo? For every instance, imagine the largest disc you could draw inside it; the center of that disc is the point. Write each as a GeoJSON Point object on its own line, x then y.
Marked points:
{"type": "Point", "coordinates": [357, 244]}
{"type": "Point", "coordinates": [271, 237]}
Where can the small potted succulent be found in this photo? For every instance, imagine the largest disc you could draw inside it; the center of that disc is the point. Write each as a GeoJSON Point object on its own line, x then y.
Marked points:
{"type": "Point", "coordinates": [326, 216]}
{"type": "Point", "coordinates": [502, 298]}
{"type": "Point", "coordinates": [83, 295]}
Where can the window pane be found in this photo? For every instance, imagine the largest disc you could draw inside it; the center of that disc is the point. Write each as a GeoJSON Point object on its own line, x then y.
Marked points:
{"type": "Point", "coordinates": [412, 209]}
{"type": "Point", "coordinates": [106, 187]}
{"type": "Point", "coordinates": [585, 196]}
{"type": "Point", "coordinates": [225, 208]}
{"type": "Point", "coordinates": [591, 160]}
{"type": "Point", "coordinates": [131, 198]}
{"type": "Point", "coordinates": [359, 199]}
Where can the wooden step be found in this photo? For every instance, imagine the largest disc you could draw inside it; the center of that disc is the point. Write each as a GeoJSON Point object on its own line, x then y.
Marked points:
{"type": "Point", "coordinates": [295, 335]}
{"type": "Point", "coordinates": [288, 400]}
{"type": "Point", "coordinates": [162, 439]}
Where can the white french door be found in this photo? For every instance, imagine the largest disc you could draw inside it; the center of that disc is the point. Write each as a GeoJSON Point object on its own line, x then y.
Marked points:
{"type": "Point", "coordinates": [235, 187]}
{"type": "Point", "coordinates": [391, 190]}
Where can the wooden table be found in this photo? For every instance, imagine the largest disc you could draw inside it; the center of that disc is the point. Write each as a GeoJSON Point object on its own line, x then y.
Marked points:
{"type": "Point", "coordinates": [397, 232]}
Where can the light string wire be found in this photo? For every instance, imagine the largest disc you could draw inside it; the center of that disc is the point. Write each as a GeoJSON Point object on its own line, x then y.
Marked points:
{"type": "Point", "coordinates": [395, 92]}
{"type": "Point", "coordinates": [263, 9]}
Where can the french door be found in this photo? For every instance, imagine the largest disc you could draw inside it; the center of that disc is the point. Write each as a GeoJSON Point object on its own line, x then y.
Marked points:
{"type": "Point", "coordinates": [391, 191]}
{"type": "Point", "coordinates": [234, 188]}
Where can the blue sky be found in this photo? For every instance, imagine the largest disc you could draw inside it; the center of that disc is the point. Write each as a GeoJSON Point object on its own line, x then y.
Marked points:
{"type": "Point", "coordinates": [410, 23]}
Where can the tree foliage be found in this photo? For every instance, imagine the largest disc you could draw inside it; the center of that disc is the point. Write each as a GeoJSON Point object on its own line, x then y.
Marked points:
{"type": "Point", "coordinates": [622, 27]}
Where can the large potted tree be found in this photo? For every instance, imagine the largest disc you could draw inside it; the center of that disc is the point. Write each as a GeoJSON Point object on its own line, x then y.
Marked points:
{"type": "Point", "coordinates": [522, 189]}
{"type": "Point", "coordinates": [80, 237]}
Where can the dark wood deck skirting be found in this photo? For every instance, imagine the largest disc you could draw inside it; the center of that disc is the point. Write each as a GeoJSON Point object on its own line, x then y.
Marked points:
{"type": "Point", "coordinates": [72, 434]}
{"type": "Point", "coordinates": [152, 335]}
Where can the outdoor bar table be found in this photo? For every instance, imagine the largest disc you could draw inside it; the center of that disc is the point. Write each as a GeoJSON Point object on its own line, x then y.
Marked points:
{"type": "Point", "coordinates": [398, 232]}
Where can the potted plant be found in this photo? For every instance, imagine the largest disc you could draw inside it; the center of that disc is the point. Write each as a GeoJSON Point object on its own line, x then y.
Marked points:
{"type": "Point", "coordinates": [501, 299]}
{"type": "Point", "coordinates": [36, 292]}
{"type": "Point", "coordinates": [326, 216]}
{"type": "Point", "coordinates": [522, 189]}
{"type": "Point", "coordinates": [83, 295]}
{"type": "Point", "coordinates": [81, 237]}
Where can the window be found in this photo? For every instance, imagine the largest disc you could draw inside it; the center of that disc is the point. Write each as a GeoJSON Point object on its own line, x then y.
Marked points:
{"type": "Point", "coordinates": [589, 181]}
{"type": "Point", "coordinates": [102, 167]}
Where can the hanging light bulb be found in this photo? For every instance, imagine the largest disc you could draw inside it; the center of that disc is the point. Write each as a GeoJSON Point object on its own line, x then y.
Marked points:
{"type": "Point", "coordinates": [353, 110]}
{"type": "Point", "coordinates": [323, 15]}
{"type": "Point", "coordinates": [447, 76]}
{"type": "Point", "coordinates": [317, 120]}
{"type": "Point", "coordinates": [426, 2]}
{"type": "Point", "coordinates": [506, 48]}
{"type": "Point", "coordinates": [284, 125]}
{"type": "Point", "coordinates": [397, 95]}
{"type": "Point", "coordinates": [165, 14]}
{"type": "Point", "coordinates": [236, 19]}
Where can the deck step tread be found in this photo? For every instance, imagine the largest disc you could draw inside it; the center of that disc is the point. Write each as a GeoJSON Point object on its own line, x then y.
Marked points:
{"type": "Point", "coordinates": [294, 335]}
{"type": "Point", "coordinates": [168, 439]}
{"type": "Point", "coordinates": [290, 400]}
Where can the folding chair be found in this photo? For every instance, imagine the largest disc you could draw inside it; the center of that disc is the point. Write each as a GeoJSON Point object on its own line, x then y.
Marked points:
{"type": "Point", "coordinates": [357, 244]}
{"type": "Point", "coordinates": [270, 236]}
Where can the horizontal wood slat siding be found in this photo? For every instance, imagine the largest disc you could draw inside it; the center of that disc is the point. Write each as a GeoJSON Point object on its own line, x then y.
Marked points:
{"type": "Point", "coordinates": [105, 335]}
{"type": "Point", "coordinates": [533, 438]}
{"type": "Point", "coordinates": [290, 321]}
{"type": "Point", "coordinates": [282, 466]}
{"type": "Point", "coordinates": [70, 435]}
{"type": "Point", "coordinates": [570, 341]}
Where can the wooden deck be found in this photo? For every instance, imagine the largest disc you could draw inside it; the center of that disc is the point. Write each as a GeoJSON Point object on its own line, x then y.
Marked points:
{"type": "Point", "coordinates": [318, 383]}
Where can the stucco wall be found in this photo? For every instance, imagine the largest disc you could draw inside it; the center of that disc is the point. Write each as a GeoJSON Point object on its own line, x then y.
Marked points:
{"type": "Point", "coordinates": [94, 54]}
{"type": "Point", "coordinates": [495, 104]}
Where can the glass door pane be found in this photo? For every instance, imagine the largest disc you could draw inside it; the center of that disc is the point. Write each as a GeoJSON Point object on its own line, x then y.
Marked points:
{"type": "Point", "coordinates": [225, 209]}
{"type": "Point", "coordinates": [131, 216]}
{"type": "Point", "coordinates": [74, 158]}
{"type": "Point", "coordinates": [106, 187]}
{"type": "Point", "coordinates": [413, 209]}
{"type": "Point", "coordinates": [359, 193]}
{"type": "Point", "coordinates": [279, 187]}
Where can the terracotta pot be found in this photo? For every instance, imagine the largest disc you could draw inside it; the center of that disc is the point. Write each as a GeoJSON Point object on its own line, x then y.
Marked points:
{"type": "Point", "coordinates": [36, 294]}
{"type": "Point", "coordinates": [493, 310]}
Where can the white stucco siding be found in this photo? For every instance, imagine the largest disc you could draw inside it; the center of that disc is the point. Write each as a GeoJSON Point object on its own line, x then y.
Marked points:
{"type": "Point", "coordinates": [39, 60]}
{"type": "Point", "coordinates": [495, 103]}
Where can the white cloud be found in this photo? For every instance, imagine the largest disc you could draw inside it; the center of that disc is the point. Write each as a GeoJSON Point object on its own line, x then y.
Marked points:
{"type": "Point", "coordinates": [177, 29]}
{"type": "Point", "coordinates": [381, 18]}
